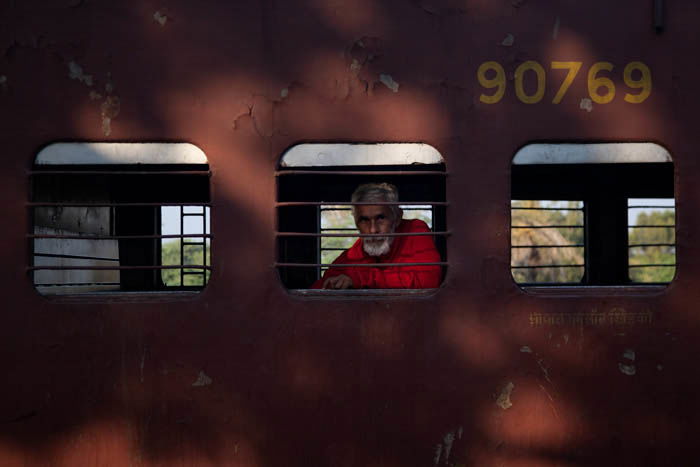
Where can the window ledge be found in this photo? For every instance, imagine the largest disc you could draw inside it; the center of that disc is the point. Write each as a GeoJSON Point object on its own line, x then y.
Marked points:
{"type": "Point", "coordinates": [594, 290]}
{"type": "Point", "coordinates": [125, 297]}
{"type": "Point", "coordinates": [360, 294]}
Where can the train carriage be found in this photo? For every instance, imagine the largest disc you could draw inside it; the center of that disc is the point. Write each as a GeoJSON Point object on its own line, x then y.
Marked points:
{"type": "Point", "coordinates": [178, 175]}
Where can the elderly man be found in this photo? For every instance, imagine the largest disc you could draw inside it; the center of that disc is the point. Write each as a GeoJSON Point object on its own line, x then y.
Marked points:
{"type": "Point", "coordinates": [384, 219]}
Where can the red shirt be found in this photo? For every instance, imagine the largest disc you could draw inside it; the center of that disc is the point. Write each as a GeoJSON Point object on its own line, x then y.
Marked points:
{"type": "Point", "coordinates": [418, 249]}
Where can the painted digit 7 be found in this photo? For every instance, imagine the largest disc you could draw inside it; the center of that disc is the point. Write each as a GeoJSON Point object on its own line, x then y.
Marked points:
{"type": "Point", "coordinates": [573, 68]}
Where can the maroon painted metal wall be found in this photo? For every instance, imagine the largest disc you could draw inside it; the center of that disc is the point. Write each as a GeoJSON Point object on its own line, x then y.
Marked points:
{"type": "Point", "coordinates": [283, 380]}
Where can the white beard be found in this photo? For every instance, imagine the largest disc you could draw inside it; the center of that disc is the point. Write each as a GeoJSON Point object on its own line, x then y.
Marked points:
{"type": "Point", "coordinates": [377, 246]}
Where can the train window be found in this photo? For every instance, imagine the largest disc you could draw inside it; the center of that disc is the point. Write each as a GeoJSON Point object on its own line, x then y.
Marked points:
{"type": "Point", "coordinates": [316, 223]}
{"type": "Point", "coordinates": [592, 214]}
{"type": "Point", "coordinates": [120, 217]}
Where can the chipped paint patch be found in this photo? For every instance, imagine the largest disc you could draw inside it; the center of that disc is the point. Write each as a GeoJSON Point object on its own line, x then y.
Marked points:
{"type": "Point", "coordinates": [95, 96]}
{"type": "Point", "coordinates": [525, 349]}
{"type": "Point", "coordinates": [75, 71]}
{"type": "Point", "coordinates": [284, 93]}
{"type": "Point", "coordinates": [3, 81]}
{"type": "Point", "coordinates": [438, 454]}
{"type": "Point", "coordinates": [508, 41]}
{"type": "Point", "coordinates": [110, 109]}
{"type": "Point", "coordinates": [659, 367]}
{"type": "Point", "coordinates": [555, 30]}
{"type": "Point", "coordinates": [202, 380]}
{"type": "Point", "coordinates": [586, 104]}
{"type": "Point", "coordinates": [629, 370]}
{"type": "Point", "coordinates": [389, 82]}
{"type": "Point", "coordinates": [160, 18]}
{"type": "Point", "coordinates": [448, 440]}
{"type": "Point", "coordinates": [503, 400]}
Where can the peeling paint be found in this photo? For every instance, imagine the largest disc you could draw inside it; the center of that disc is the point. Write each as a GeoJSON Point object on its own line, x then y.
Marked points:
{"type": "Point", "coordinates": [629, 354]}
{"type": "Point", "coordinates": [525, 349]}
{"type": "Point", "coordinates": [110, 109]}
{"type": "Point", "coordinates": [160, 18]}
{"type": "Point", "coordinates": [202, 380]}
{"type": "Point", "coordinates": [389, 82]}
{"type": "Point", "coordinates": [586, 104]}
{"type": "Point", "coordinates": [460, 432]}
{"type": "Point", "coordinates": [284, 93]}
{"type": "Point", "coordinates": [629, 370]}
{"type": "Point", "coordinates": [438, 453]}
{"type": "Point", "coordinates": [75, 71]}
{"type": "Point", "coordinates": [3, 82]}
{"type": "Point", "coordinates": [508, 41]}
{"type": "Point", "coordinates": [503, 400]}
{"type": "Point", "coordinates": [659, 367]}
{"type": "Point", "coordinates": [448, 440]}
{"type": "Point", "coordinates": [95, 96]}
{"type": "Point", "coordinates": [566, 338]}
{"type": "Point", "coordinates": [555, 30]}
{"type": "Point", "coordinates": [355, 66]}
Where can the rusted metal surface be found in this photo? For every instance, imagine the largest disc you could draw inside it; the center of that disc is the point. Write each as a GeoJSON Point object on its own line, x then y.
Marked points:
{"type": "Point", "coordinates": [245, 373]}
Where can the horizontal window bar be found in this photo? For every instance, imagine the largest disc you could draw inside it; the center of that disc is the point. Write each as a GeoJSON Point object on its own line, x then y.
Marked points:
{"type": "Point", "coordinates": [545, 209]}
{"type": "Point", "coordinates": [78, 284]}
{"type": "Point", "coordinates": [193, 244]}
{"type": "Point", "coordinates": [194, 273]}
{"type": "Point", "coordinates": [550, 266]}
{"type": "Point", "coordinates": [402, 234]}
{"type": "Point", "coordinates": [650, 226]}
{"type": "Point", "coordinates": [426, 208]}
{"type": "Point", "coordinates": [116, 268]}
{"type": "Point", "coordinates": [653, 265]}
{"type": "Point", "coordinates": [339, 229]}
{"type": "Point", "coordinates": [363, 203]}
{"type": "Point", "coordinates": [650, 207]}
{"type": "Point", "coordinates": [547, 246]}
{"type": "Point", "coordinates": [95, 258]}
{"type": "Point", "coordinates": [117, 237]}
{"type": "Point", "coordinates": [360, 172]}
{"type": "Point", "coordinates": [119, 172]}
{"type": "Point", "coordinates": [634, 245]}
{"type": "Point", "coordinates": [334, 249]}
{"type": "Point", "coordinates": [116, 205]}
{"type": "Point", "coordinates": [370, 265]}
{"type": "Point", "coordinates": [547, 226]}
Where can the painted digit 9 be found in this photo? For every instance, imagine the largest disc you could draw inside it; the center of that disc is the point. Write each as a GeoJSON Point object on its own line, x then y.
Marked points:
{"type": "Point", "coordinates": [644, 83]}
{"type": "Point", "coordinates": [498, 82]}
{"type": "Point", "coordinates": [519, 76]}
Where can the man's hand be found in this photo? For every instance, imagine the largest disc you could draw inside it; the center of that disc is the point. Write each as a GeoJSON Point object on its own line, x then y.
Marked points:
{"type": "Point", "coordinates": [338, 282]}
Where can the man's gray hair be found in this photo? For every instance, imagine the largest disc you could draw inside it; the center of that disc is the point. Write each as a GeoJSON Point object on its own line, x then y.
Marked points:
{"type": "Point", "coordinates": [382, 192]}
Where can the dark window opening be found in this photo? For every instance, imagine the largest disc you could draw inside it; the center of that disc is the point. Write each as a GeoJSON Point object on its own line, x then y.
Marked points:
{"type": "Point", "coordinates": [609, 223]}
{"type": "Point", "coordinates": [315, 224]}
{"type": "Point", "coordinates": [119, 227]}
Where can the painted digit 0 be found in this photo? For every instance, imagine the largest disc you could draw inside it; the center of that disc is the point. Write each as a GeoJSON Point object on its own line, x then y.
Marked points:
{"type": "Point", "coordinates": [595, 83]}
{"type": "Point", "coordinates": [498, 81]}
{"type": "Point", "coordinates": [519, 75]}
{"type": "Point", "coordinates": [644, 82]}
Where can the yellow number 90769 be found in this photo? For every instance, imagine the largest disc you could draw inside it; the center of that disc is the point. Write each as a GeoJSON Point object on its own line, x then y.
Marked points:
{"type": "Point", "coordinates": [601, 88]}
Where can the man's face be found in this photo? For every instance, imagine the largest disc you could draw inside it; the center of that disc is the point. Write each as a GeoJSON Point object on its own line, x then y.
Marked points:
{"type": "Point", "coordinates": [375, 220]}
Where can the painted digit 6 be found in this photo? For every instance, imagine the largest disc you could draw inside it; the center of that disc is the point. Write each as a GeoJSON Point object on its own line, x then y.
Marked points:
{"type": "Point", "coordinates": [596, 83]}
{"type": "Point", "coordinates": [644, 82]}
{"type": "Point", "coordinates": [498, 81]}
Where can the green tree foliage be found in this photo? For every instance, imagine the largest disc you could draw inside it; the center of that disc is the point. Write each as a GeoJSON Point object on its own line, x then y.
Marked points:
{"type": "Point", "coordinates": [170, 255]}
{"type": "Point", "coordinates": [531, 233]}
{"type": "Point", "coordinates": [662, 254]}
